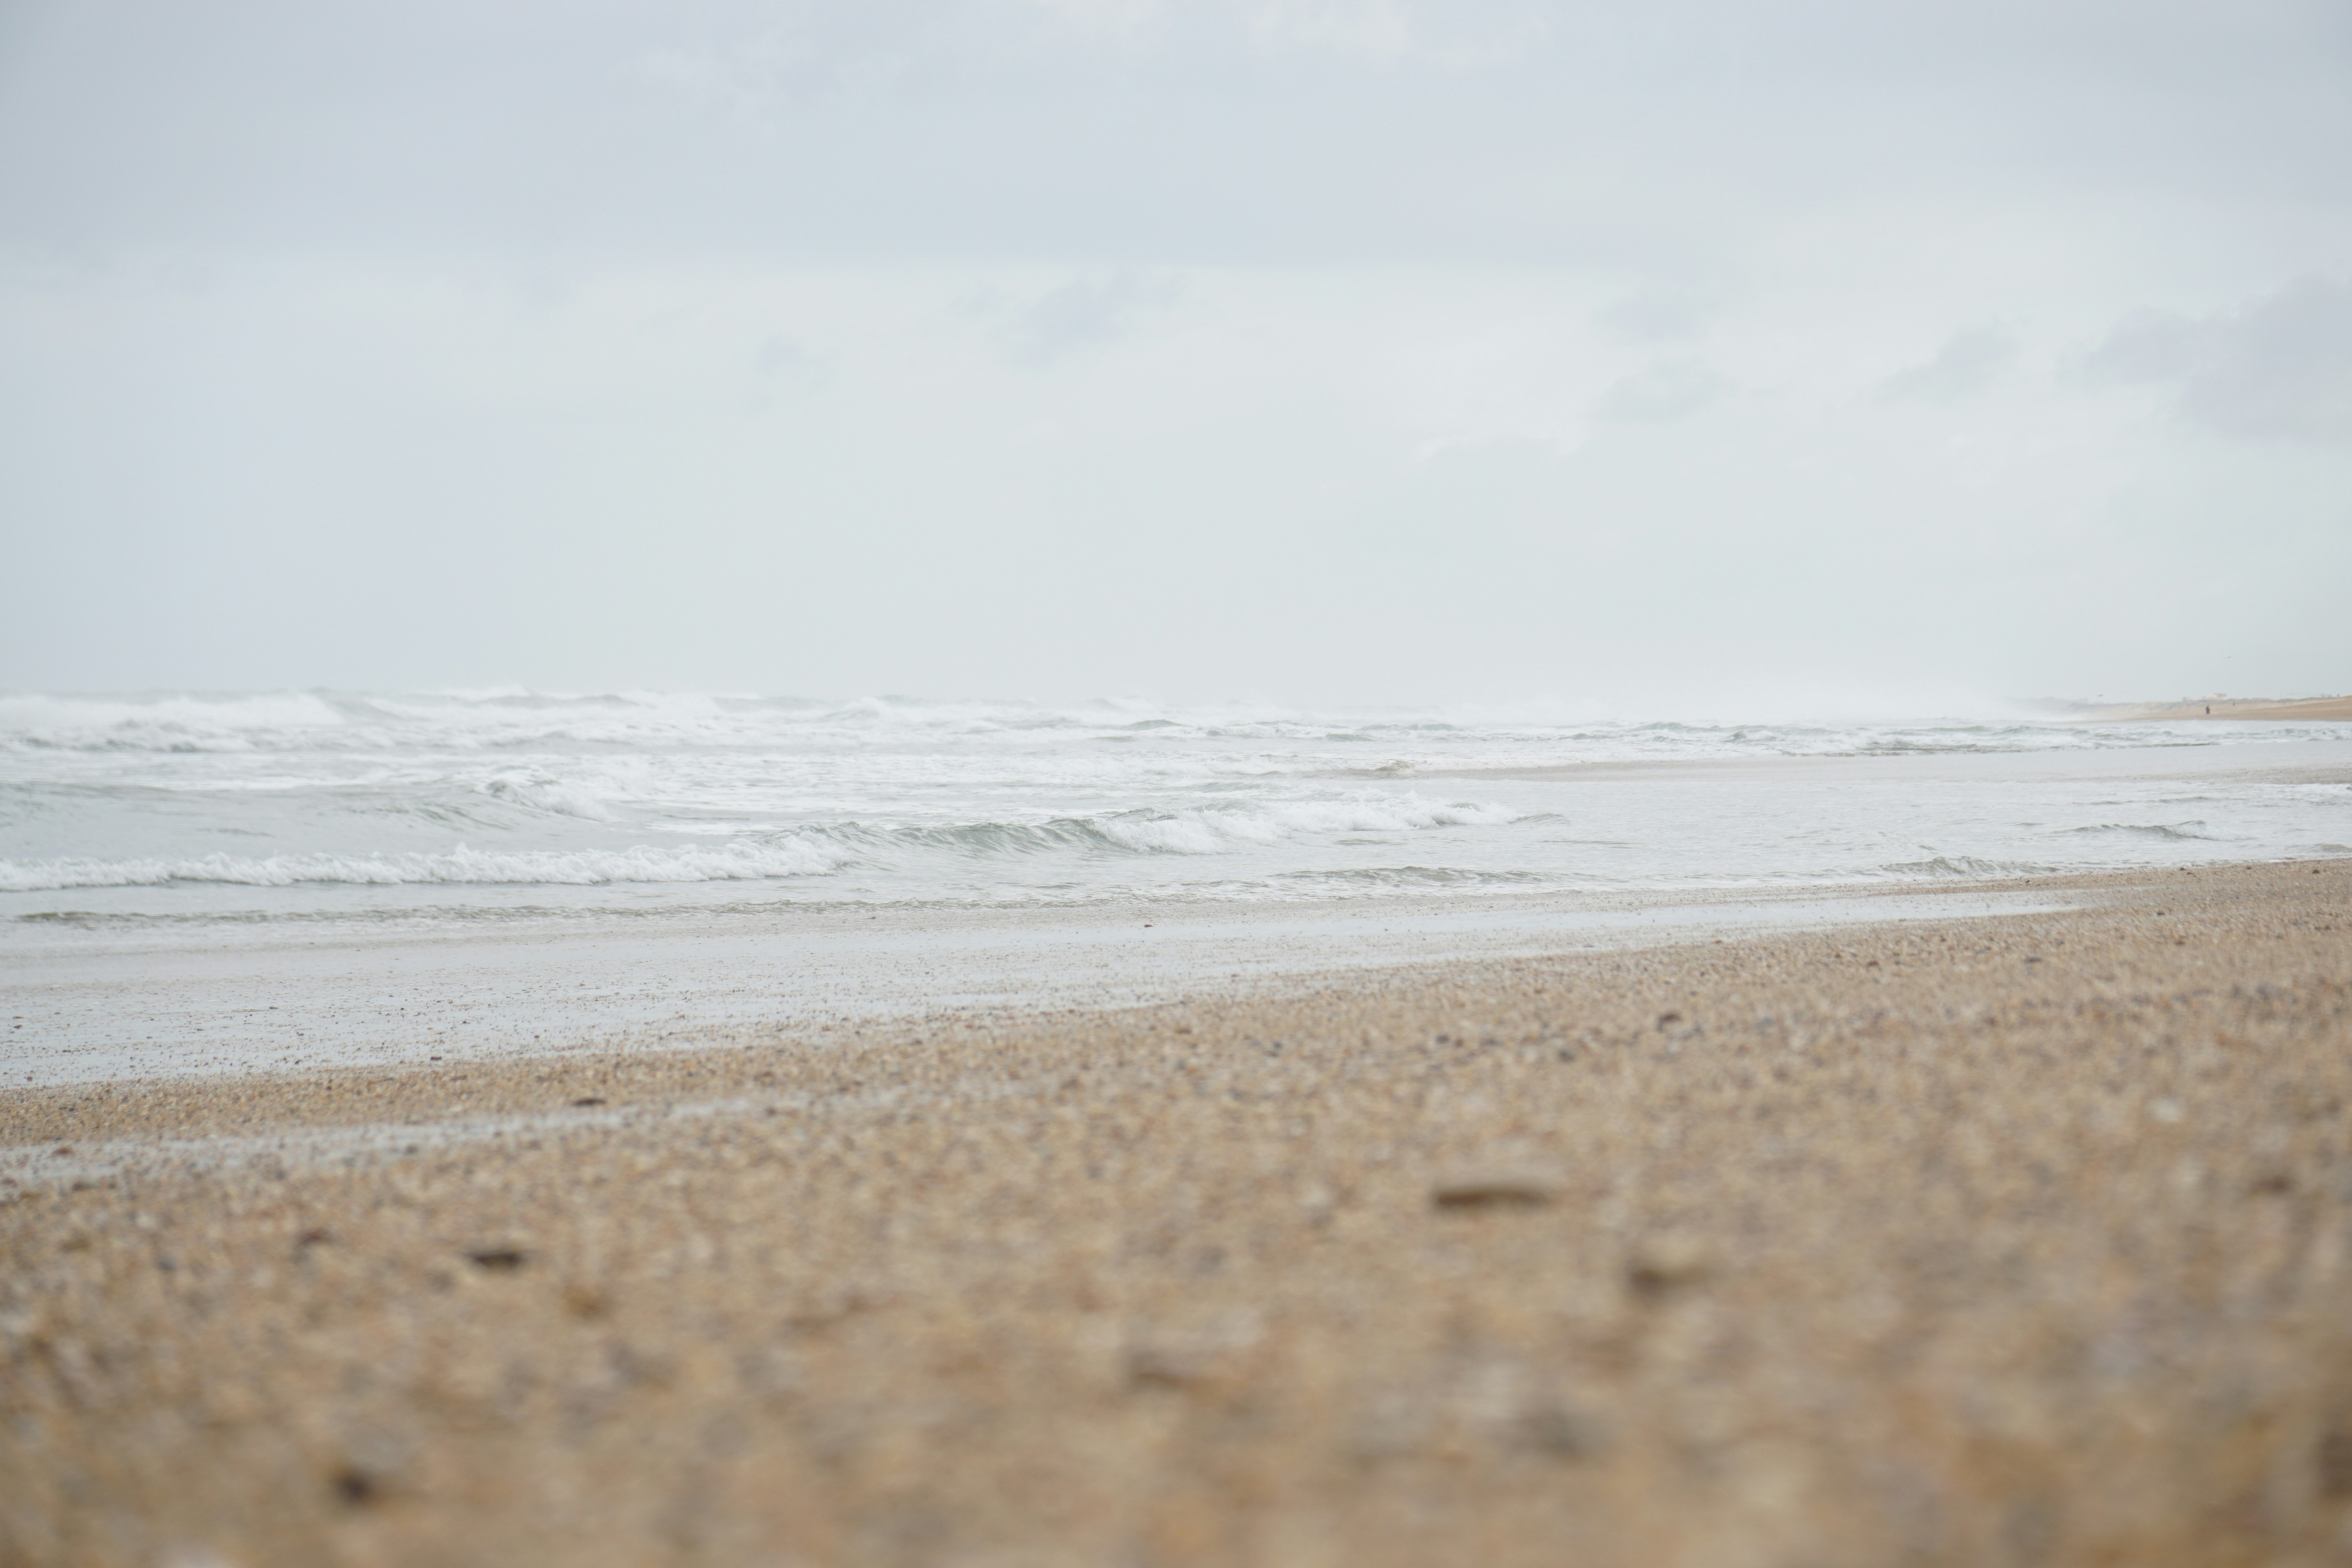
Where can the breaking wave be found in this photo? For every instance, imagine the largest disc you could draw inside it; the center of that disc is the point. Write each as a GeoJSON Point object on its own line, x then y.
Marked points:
{"type": "Point", "coordinates": [1207, 830]}
{"type": "Point", "coordinates": [814, 851]}
{"type": "Point", "coordinates": [1965, 866]}
{"type": "Point", "coordinates": [539, 792]}
{"type": "Point", "coordinates": [732, 862]}
{"type": "Point", "coordinates": [1202, 830]}
{"type": "Point", "coordinates": [2164, 830]}
{"type": "Point", "coordinates": [1413, 878]}
{"type": "Point", "coordinates": [180, 722]}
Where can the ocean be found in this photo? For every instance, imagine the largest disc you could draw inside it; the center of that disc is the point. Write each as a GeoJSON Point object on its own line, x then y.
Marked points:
{"type": "Point", "coordinates": [168, 861]}
{"type": "Point", "coordinates": [362, 805]}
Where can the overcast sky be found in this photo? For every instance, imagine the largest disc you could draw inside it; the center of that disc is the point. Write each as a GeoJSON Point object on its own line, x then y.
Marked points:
{"type": "Point", "coordinates": [1631, 356]}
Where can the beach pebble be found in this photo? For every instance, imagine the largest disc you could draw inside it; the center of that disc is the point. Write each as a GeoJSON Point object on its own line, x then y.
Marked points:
{"type": "Point", "coordinates": [499, 1259]}
{"type": "Point", "coordinates": [1171, 1365]}
{"type": "Point", "coordinates": [1514, 1188]}
{"type": "Point", "coordinates": [1668, 1262]}
{"type": "Point", "coordinates": [1564, 1431]}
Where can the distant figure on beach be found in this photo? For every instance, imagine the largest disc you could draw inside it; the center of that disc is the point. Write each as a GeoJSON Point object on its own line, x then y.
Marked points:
{"type": "Point", "coordinates": [2209, 711]}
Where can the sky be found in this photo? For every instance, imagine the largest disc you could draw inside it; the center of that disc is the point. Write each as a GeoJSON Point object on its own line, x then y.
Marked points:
{"type": "Point", "coordinates": [1640, 357]}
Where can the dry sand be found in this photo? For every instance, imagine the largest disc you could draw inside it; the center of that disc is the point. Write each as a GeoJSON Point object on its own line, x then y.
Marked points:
{"type": "Point", "coordinates": [2024, 1240]}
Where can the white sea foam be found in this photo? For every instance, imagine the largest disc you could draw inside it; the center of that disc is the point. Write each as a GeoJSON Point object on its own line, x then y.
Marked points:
{"type": "Point", "coordinates": [167, 721]}
{"type": "Point", "coordinates": [539, 792]}
{"type": "Point", "coordinates": [811, 852]}
{"type": "Point", "coordinates": [462, 865]}
{"type": "Point", "coordinates": [326, 722]}
{"type": "Point", "coordinates": [2192, 830]}
{"type": "Point", "coordinates": [1947, 866]}
{"type": "Point", "coordinates": [1205, 832]}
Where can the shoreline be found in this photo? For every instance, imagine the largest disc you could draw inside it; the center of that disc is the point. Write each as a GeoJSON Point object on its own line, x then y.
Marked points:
{"type": "Point", "coordinates": [2314, 709]}
{"type": "Point", "coordinates": [124, 1010]}
{"type": "Point", "coordinates": [1613, 924]}
{"type": "Point", "coordinates": [505, 1087]}
{"type": "Point", "coordinates": [2016, 1236]}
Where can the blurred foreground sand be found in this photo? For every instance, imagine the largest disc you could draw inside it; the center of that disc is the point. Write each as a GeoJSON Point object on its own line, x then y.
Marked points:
{"type": "Point", "coordinates": [2014, 1240]}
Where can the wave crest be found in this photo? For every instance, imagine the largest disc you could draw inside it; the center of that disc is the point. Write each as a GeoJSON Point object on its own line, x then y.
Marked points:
{"type": "Point", "coordinates": [726, 863]}
{"type": "Point", "coordinates": [2164, 830]}
{"type": "Point", "coordinates": [1964, 866]}
{"type": "Point", "coordinates": [814, 851]}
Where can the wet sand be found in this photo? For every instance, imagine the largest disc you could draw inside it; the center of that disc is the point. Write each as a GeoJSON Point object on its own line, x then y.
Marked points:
{"type": "Point", "coordinates": [2022, 1238]}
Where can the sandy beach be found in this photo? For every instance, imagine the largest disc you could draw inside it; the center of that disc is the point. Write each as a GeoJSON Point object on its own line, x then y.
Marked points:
{"type": "Point", "coordinates": [2013, 1238]}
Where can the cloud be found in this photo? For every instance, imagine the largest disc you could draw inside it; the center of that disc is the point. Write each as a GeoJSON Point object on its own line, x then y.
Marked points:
{"type": "Point", "coordinates": [1965, 367]}
{"type": "Point", "coordinates": [1451, 36]}
{"type": "Point", "coordinates": [1086, 310]}
{"type": "Point", "coordinates": [882, 311]}
{"type": "Point", "coordinates": [1669, 389]}
{"type": "Point", "coordinates": [2280, 366]}
{"type": "Point", "coordinates": [1454, 35]}
{"type": "Point", "coordinates": [782, 364]}
{"type": "Point", "coordinates": [1690, 138]}
{"type": "Point", "coordinates": [1132, 23]}
{"type": "Point", "coordinates": [1653, 315]}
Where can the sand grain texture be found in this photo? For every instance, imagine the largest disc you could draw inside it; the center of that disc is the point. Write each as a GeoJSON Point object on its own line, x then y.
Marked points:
{"type": "Point", "coordinates": [2018, 1240]}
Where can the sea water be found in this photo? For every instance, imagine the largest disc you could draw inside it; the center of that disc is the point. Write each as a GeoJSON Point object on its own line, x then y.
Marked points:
{"type": "Point", "coordinates": [353, 807]}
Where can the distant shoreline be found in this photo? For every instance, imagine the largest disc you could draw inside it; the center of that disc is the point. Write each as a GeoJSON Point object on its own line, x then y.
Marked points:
{"type": "Point", "coordinates": [2320, 709]}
